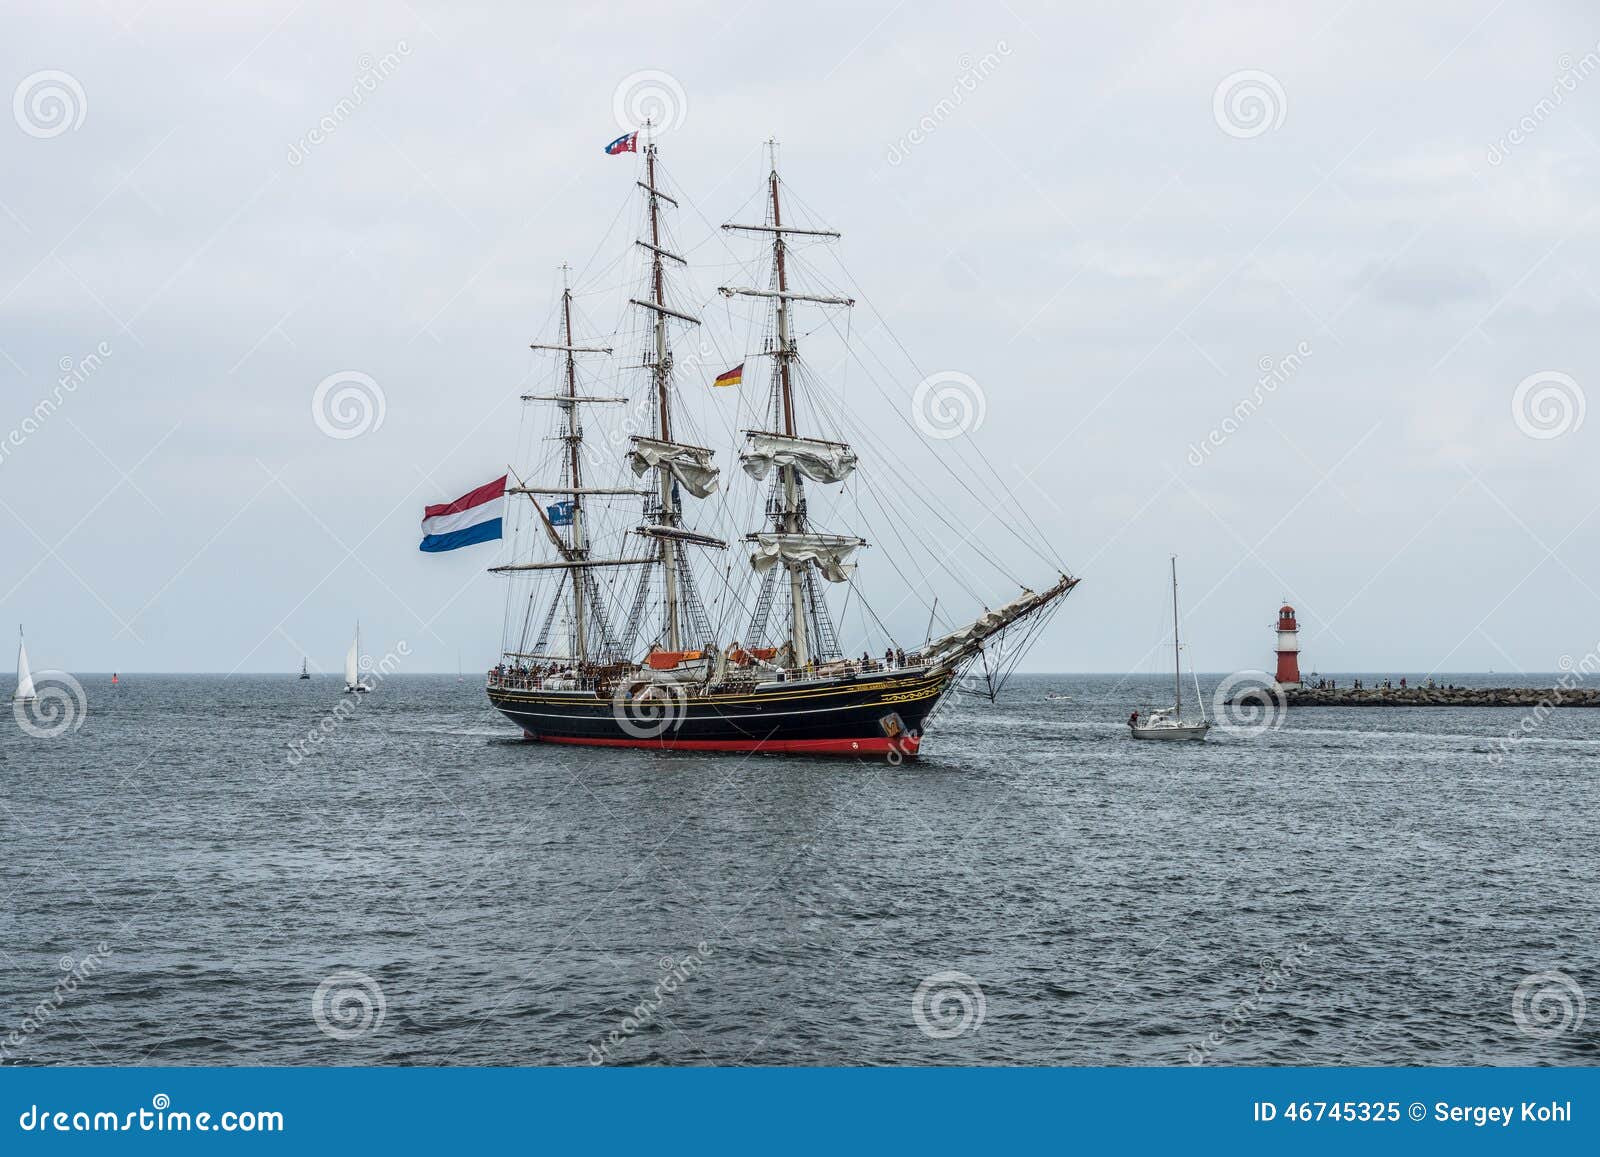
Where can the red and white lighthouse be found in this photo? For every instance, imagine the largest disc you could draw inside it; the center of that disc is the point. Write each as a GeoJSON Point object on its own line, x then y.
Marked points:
{"type": "Point", "coordinates": [1288, 648]}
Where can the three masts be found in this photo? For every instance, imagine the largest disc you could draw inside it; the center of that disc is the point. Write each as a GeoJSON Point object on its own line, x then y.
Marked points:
{"type": "Point", "coordinates": [570, 672]}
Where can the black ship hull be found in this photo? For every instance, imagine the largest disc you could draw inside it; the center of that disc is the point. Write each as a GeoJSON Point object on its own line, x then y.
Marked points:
{"type": "Point", "coordinates": [875, 713]}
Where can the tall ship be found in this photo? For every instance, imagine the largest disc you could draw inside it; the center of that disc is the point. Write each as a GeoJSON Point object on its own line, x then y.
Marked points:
{"type": "Point", "coordinates": [650, 605]}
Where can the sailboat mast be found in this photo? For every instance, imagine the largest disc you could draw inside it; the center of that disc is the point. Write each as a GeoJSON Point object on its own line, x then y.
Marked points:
{"type": "Point", "coordinates": [663, 367]}
{"type": "Point", "coordinates": [574, 436]}
{"type": "Point", "coordinates": [1177, 666]}
{"type": "Point", "coordinates": [791, 502]}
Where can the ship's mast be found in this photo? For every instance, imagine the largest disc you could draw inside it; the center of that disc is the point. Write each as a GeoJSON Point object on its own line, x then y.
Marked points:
{"type": "Point", "coordinates": [663, 370]}
{"type": "Point", "coordinates": [672, 461]}
{"type": "Point", "coordinates": [574, 438]}
{"type": "Point", "coordinates": [1177, 664]}
{"type": "Point", "coordinates": [791, 488]}
{"type": "Point", "coordinates": [574, 551]}
{"type": "Point", "coordinates": [790, 519]}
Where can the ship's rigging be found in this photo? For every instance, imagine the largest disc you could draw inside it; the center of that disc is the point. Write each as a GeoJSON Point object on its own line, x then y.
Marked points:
{"type": "Point", "coordinates": [790, 458]}
{"type": "Point", "coordinates": [656, 594]}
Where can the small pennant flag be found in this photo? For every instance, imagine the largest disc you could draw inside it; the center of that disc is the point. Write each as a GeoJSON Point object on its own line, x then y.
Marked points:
{"type": "Point", "coordinates": [474, 517]}
{"type": "Point", "coordinates": [731, 377]}
{"type": "Point", "coordinates": [626, 143]}
{"type": "Point", "coordinates": [561, 513]}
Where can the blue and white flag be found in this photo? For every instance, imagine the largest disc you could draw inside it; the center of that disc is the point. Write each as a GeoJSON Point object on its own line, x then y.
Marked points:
{"type": "Point", "coordinates": [561, 513]}
{"type": "Point", "coordinates": [474, 517]}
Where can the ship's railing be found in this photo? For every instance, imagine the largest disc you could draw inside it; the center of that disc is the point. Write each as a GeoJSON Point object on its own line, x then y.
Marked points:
{"type": "Point", "coordinates": [517, 677]}
{"type": "Point", "coordinates": [536, 679]}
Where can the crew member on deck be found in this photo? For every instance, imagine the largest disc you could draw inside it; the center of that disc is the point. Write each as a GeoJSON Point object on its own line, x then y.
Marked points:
{"type": "Point", "coordinates": [1133, 720]}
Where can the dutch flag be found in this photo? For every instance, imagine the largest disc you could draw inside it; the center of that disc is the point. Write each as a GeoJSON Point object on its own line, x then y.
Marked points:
{"type": "Point", "coordinates": [474, 517]}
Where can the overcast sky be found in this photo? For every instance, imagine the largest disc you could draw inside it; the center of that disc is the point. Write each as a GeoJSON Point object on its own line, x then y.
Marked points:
{"type": "Point", "coordinates": [1109, 217]}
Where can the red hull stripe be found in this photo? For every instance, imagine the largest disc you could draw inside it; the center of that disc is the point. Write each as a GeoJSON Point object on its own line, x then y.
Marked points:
{"type": "Point", "coordinates": [488, 492]}
{"type": "Point", "coordinates": [874, 746]}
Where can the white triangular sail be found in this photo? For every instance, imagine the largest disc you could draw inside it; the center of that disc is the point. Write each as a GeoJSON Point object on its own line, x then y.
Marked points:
{"type": "Point", "coordinates": [830, 553]}
{"type": "Point", "coordinates": [693, 466]}
{"type": "Point", "coordinates": [818, 460]}
{"type": "Point", "coordinates": [24, 692]}
{"type": "Point", "coordinates": [352, 663]}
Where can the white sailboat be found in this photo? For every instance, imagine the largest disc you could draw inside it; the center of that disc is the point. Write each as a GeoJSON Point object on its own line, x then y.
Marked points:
{"type": "Point", "coordinates": [1167, 722]}
{"type": "Point", "coordinates": [24, 692]}
{"type": "Point", "coordinates": [352, 667]}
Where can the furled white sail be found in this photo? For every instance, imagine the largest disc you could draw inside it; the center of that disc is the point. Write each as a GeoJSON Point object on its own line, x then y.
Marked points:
{"type": "Point", "coordinates": [989, 622]}
{"type": "Point", "coordinates": [830, 553]}
{"type": "Point", "coordinates": [24, 692]}
{"type": "Point", "coordinates": [693, 466]}
{"type": "Point", "coordinates": [817, 460]}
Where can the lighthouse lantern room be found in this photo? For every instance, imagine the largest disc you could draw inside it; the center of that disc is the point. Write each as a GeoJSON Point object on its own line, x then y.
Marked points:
{"type": "Point", "coordinates": [1288, 648]}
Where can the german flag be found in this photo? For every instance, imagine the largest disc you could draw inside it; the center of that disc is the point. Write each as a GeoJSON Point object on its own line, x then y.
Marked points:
{"type": "Point", "coordinates": [731, 377]}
